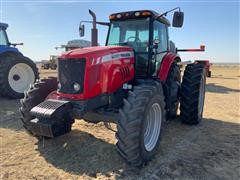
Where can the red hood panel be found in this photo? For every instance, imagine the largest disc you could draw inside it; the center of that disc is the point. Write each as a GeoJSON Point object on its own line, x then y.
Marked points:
{"type": "Point", "coordinates": [94, 51]}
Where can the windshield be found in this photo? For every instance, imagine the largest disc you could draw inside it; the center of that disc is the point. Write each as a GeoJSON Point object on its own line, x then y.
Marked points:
{"type": "Point", "coordinates": [3, 39]}
{"type": "Point", "coordinates": [132, 32]}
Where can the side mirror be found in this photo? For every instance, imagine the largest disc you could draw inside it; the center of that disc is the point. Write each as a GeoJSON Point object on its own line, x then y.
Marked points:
{"type": "Point", "coordinates": [81, 30]}
{"type": "Point", "coordinates": [178, 18]}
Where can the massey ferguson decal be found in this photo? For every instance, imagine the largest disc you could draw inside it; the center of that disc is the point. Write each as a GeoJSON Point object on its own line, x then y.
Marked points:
{"type": "Point", "coordinates": [111, 57]}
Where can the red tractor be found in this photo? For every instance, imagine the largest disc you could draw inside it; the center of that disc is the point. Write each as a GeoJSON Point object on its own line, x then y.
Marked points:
{"type": "Point", "coordinates": [133, 81]}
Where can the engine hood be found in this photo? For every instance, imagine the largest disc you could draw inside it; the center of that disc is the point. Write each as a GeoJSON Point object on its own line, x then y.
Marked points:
{"type": "Point", "coordinates": [93, 52]}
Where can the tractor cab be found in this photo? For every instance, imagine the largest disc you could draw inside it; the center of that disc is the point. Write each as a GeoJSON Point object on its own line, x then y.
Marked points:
{"type": "Point", "coordinates": [5, 45]}
{"type": "Point", "coordinates": [146, 32]}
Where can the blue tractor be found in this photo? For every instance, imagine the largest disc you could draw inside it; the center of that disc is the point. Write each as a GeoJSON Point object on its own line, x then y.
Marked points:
{"type": "Point", "coordinates": [17, 72]}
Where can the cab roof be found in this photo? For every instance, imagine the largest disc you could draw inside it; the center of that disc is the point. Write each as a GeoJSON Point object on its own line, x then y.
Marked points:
{"type": "Point", "coordinates": [138, 14]}
{"type": "Point", "coordinates": [3, 26]}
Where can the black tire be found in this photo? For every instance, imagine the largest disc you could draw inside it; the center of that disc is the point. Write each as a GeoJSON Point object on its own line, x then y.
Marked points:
{"type": "Point", "coordinates": [132, 123]}
{"type": "Point", "coordinates": [34, 96]}
{"type": "Point", "coordinates": [172, 90]}
{"type": "Point", "coordinates": [46, 66]}
{"type": "Point", "coordinates": [53, 66]}
{"type": "Point", "coordinates": [192, 94]}
{"type": "Point", "coordinates": [6, 64]}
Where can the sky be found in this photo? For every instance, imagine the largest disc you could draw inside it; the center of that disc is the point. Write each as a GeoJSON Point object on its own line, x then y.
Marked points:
{"type": "Point", "coordinates": [43, 24]}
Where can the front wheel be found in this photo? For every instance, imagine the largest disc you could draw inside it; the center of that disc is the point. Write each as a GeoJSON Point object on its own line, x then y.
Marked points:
{"type": "Point", "coordinates": [141, 123]}
{"type": "Point", "coordinates": [34, 96]}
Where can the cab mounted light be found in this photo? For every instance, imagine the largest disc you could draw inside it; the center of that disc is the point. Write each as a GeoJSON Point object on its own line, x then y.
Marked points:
{"type": "Point", "coordinates": [146, 13]}
{"type": "Point", "coordinates": [118, 16]}
{"type": "Point", "coordinates": [112, 17]}
{"type": "Point", "coordinates": [137, 13]}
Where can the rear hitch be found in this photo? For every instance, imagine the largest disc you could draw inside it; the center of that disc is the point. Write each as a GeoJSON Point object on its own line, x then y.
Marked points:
{"type": "Point", "coordinates": [53, 118]}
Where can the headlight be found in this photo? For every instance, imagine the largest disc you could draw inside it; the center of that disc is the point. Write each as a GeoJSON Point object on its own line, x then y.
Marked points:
{"type": "Point", "coordinates": [59, 85]}
{"type": "Point", "coordinates": [76, 87]}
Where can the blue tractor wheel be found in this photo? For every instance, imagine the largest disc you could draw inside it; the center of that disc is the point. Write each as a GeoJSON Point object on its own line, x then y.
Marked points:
{"type": "Point", "coordinates": [17, 72]}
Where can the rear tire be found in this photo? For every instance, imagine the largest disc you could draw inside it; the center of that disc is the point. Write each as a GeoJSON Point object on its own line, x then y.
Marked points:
{"type": "Point", "coordinates": [139, 130]}
{"type": "Point", "coordinates": [16, 74]}
{"type": "Point", "coordinates": [192, 94]}
{"type": "Point", "coordinates": [172, 90]}
{"type": "Point", "coordinates": [34, 96]}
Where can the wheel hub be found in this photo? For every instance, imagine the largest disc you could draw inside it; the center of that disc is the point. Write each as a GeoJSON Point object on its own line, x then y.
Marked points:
{"type": "Point", "coordinates": [20, 77]}
{"type": "Point", "coordinates": [16, 77]}
{"type": "Point", "coordinates": [153, 128]}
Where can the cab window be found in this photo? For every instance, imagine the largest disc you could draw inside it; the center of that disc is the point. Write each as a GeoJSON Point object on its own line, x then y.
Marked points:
{"type": "Point", "coordinates": [3, 38]}
{"type": "Point", "coordinates": [160, 32]}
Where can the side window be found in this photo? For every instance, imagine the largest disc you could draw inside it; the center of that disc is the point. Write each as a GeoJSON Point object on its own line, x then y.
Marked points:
{"type": "Point", "coordinates": [160, 32]}
{"type": "Point", "coordinates": [3, 40]}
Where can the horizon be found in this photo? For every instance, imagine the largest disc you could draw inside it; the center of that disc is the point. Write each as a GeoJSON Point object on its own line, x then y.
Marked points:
{"type": "Point", "coordinates": [43, 25]}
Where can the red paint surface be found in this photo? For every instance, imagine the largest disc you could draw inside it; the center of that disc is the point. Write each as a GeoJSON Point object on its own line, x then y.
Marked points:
{"type": "Point", "coordinates": [105, 77]}
{"type": "Point", "coordinates": [167, 61]}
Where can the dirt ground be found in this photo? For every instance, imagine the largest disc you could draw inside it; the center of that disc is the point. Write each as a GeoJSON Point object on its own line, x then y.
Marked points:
{"type": "Point", "coordinates": [210, 150]}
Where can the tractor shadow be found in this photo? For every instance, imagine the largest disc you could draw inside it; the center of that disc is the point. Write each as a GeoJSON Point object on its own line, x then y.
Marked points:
{"type": "Point", "coordinates": [214, 88]}
{"type": "Point", "coordinates": [81, 153]}
{"type": "Point", "coordinates": [222, 77]}
{"type": "Point", "coordinates": [208, 144]}
{"type": "Point", "coordinates": [9, 114]}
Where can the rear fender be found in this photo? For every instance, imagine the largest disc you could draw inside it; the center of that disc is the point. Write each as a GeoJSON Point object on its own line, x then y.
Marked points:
{"type": "Point", "coordinates": [167, 61]}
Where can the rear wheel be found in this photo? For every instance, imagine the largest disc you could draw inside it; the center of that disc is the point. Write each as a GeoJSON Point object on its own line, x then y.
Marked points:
{"type": "Point", "coordinates": [172, 90]}
{"type": "Point", "coordinates": [141, 123]}
{"type": "Point", "coordinates": [16, 74]}
{"type": "Point", "coordinates": [192, 94]}
{"type": "Point", "coordinates": [34, 96]}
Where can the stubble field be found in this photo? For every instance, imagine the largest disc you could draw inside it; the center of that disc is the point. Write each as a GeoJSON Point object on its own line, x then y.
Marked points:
{"type": "Point", "coordinates": [210, 150]}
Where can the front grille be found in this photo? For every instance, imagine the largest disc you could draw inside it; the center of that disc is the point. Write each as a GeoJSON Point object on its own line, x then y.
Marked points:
{"type": "Point", "coordinates": [71, 71]}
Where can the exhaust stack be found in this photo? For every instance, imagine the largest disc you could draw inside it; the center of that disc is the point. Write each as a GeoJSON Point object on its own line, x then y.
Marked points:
{"type": "Point", "coordinates": [94, 36]}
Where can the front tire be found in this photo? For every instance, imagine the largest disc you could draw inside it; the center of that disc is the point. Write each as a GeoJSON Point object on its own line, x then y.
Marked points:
{"type": "Point", "coordinates": [36, 94]}
{"type": "Point", "coordinates": [192, 94]}
{"type": "Point", "coordinates": [141, 123]}
{"type": "Point", "coordinates": [16, 74]}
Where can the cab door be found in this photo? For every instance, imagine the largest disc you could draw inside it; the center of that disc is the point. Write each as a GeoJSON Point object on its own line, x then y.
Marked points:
{"type": "Point", "coordinates": [160, 32]}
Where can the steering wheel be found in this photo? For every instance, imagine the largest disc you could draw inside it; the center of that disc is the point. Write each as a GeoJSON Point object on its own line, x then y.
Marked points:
{"type": "Point", "coordinates": [134, 44]}
{"type": "Point", "coordinates": [136, 39]}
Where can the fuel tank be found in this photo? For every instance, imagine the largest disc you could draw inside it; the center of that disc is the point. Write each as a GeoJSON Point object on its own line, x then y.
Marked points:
{"type": "Point", "coordinates": [89, 72]}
